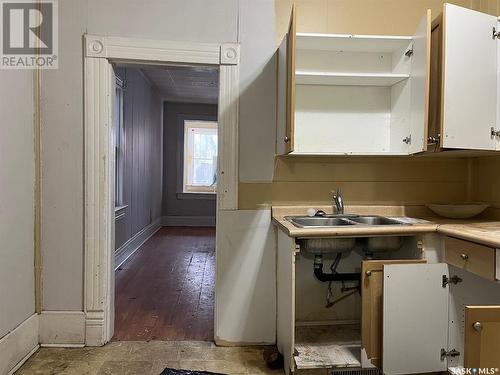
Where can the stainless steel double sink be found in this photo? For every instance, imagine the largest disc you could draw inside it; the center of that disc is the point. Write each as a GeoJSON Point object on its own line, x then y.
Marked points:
{"type": "Point", "coordinates": [342, 221]}
{"type": "Point", "coordinates": [368, 244]}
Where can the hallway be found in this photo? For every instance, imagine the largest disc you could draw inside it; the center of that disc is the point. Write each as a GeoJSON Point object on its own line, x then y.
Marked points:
{"type": "Point", "coordinates": [165, 291]}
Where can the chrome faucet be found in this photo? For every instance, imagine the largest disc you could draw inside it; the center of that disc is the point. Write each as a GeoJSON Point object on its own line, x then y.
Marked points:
{"type": "Point", "coordinates": [338, 201]}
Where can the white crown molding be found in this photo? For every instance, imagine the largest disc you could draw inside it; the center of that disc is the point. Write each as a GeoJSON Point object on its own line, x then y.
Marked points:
{"type": "Point", "coordinates": [133, 49]}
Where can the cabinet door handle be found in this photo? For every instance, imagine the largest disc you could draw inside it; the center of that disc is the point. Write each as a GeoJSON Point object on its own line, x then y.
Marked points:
{"type": "Point", "coordinates": [464, 256]}
{"type": "Point", "coordinates": [286, 139]}
{"type": "Point", "coordinates": [477, 326]}
{"type": "Point", "coordinates": [368, 273]}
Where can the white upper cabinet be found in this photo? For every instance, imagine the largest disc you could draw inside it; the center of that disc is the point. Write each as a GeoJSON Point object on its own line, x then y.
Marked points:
{"type": "Point", "coordinates": [469, 79]}
{"type": "Point", "coordinates": [353, 94]}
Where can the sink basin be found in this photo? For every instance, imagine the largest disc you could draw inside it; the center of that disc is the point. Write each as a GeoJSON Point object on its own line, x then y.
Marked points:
{"type": "Point", "coordinates": [308, 221]}
{"type": "Point", "coordinates": [376, 220]}
{"type": "Point", "coordinates": [341, 221]}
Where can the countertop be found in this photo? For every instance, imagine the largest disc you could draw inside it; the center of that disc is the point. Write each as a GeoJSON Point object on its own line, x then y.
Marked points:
{"type": "Point", "coordinates": [484, 229]}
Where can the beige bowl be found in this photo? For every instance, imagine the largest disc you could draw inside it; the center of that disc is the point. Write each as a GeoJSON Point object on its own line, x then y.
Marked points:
{"type": "Point", "coordinates": [462, 210]}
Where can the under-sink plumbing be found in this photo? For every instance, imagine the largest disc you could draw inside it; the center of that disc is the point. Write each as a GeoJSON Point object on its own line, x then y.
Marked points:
{"type": "Point", "coordinates": [335, 276]}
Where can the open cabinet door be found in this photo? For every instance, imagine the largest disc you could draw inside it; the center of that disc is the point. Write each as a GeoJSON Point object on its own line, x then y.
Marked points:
{"type": "Point", "coordinates": [420, 85]}
{"type": "Point", "coordinates": [482, 335]}
{"type": "Point", "coordinates": [372, 279]}
{"type": "Point", "coordinates": [469, 79]}
{"type": "Point", "coordinates": [415, 319]}
{"type": "Point", "coordinates": [434, 125]}
{"type": "Point", "coordinates": [290, 82]}
{"type": "Point", "coordinates": [286, 89]}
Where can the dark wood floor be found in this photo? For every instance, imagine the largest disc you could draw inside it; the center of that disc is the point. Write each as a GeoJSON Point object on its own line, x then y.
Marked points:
{"type": "Point", "coordinates": [166, 290]}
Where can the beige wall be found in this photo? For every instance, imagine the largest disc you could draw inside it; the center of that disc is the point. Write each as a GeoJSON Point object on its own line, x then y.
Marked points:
{"type": "Point", "coordinates": [377, 180]}
{"type": "Point", "coordinates": [302, 180]}
{"type": "Point", "coordinates": [486, 180]}
{"type": "Point", "coordinates": [396, 17]}
{"type": "Point", "coordinates": [17, 177]}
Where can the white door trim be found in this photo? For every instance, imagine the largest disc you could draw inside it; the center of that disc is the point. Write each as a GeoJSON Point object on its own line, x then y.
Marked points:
{"type": "Point", "coordinates": [99, 155]}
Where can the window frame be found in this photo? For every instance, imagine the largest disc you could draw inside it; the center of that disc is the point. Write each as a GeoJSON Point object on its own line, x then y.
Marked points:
{"type": "Point", "coordinates": [181, 119]}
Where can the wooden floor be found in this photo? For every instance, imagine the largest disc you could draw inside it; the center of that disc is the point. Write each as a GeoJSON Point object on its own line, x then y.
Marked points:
{"type": "Point", "coordinates": [166, 290]}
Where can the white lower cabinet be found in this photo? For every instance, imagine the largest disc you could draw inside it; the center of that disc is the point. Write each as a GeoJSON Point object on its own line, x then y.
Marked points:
{"type": "Point", "coordinates": [413, 315]}
{"type": "Point", "coordinates": [437, 317]}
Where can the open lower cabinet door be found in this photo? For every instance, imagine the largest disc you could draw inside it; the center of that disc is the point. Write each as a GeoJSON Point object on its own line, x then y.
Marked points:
{"type": "Point", "coordinates": [420, 85]}
{"type": "Point", "coordinates": [415, 319]}
{"type": "Point", "coordinates": [482, 337]}
{"type": "Point", "coordinates": [372, 275]}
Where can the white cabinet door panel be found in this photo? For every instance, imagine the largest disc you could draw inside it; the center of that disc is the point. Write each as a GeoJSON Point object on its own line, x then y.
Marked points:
{"type": "Point", "coordinates": [420, 84]}
{"type": "Point", "coordinates": [470, 79]}
{"type": "Point", "coordinates": [415, 318]}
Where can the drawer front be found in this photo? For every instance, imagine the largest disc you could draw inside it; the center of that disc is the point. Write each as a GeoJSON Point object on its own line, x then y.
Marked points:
{"type": "Point", "coordinates": [471, 257]}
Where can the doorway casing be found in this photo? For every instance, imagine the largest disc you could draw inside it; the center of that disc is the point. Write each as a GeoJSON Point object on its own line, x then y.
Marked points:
{"type": "Point", "coordinates": [99, 53]}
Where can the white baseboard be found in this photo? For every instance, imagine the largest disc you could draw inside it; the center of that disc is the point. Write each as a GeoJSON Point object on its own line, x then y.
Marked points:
{"type": "Point", "coordinates": [130, 247]}
{"type": "Point", "coordinates": [18, 345]}
{"type": "Point", "coordinates": [188, 221]}
{"type": "Point", "coordinates": [22, 361]}
{"type": "Point", "coordinates": [62, 328]}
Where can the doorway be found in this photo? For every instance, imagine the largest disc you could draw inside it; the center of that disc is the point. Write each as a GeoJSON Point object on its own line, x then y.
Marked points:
{"type": "Point", "coordinates": [100, 53]}
{"type": "Point", "coordinates": [166, 142]}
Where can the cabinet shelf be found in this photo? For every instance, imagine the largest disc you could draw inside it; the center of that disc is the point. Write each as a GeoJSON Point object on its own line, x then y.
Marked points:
{"type": "Point", "coordinates": [348, 79]}
{"type": "Point", "coordinates": [352, 43]}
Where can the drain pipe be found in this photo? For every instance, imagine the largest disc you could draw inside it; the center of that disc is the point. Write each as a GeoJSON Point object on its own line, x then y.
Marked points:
{"type": "Point", "coordinates": [325, 277]}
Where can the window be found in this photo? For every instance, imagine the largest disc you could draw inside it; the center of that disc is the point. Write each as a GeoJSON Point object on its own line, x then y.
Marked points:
{"type": "Point", "coordinates": [200, 157]}
{"type": "Point", "coordinates": [119, 139]}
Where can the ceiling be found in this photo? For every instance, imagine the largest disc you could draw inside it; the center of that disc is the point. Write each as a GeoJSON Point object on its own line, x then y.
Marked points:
{"type": "Point", "coordinates": [185, 84]}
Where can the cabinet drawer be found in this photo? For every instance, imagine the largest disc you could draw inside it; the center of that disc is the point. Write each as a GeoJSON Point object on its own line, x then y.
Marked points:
{"type": "Point", "coordinates": [471, 257]}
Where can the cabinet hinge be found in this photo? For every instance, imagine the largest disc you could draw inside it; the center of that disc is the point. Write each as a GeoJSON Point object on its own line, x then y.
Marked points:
{"type": "Point", "coordinates": [433, 140]}
{"type": "Point", "coordinates": [451, 280]}
{"type": "Point", "coordinates": [407, 140]}
{"type": "Point", "coordinates": [451, 353]}
{"type": "Point", "coordinates": [409, 52]}
{"type": "Point", "coordinates": [495, 34]}
{"type": "Point", "coordinates": [494, 133]}
{"type": "Point", "coordinates": [297, 249]}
